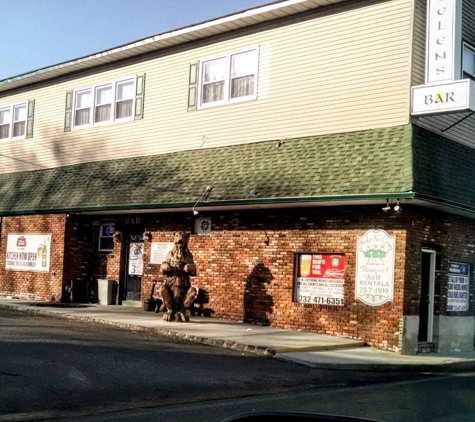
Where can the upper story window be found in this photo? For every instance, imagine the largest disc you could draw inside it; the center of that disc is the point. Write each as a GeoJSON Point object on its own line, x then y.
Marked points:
{"type": "Point", "coordinates": [228, 78]}
{"type": "Point", "coordinates": [105, 103]}
{"type": "Point", "coordinates": [468, 62]}
{"type": "Point", "coordinates": [16, 121]}
{"type": "Point", "coordinates": [13, 121]}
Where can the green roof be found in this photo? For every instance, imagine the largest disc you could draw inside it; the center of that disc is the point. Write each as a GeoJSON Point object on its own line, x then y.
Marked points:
{"type": "Point", "coordinates": [443, 169]}
{"type": "Point", "coordinates": [364, 164]}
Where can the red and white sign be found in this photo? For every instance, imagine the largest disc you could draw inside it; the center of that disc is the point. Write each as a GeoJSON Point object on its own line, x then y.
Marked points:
{"type": "Point", "coordinates": [320, 278]}
{"type": "Point", "coordinates": [28, 252]}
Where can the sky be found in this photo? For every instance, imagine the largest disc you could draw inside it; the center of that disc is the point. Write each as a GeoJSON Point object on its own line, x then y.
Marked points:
{"type": "Point", "coordinates": [41, 33]}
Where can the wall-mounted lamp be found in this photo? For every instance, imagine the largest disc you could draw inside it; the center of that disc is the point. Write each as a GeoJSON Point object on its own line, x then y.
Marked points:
{"type": "Point", "coordinates": [117, 236]}
{"type": "Point", "coordinates": [397, 207]}
{"type": "Point", "coordinates": [387, 207]}
{"type": "Point", "coordinates": [147, 235]}
{"type": "Point", "coordinates": [204, 196]}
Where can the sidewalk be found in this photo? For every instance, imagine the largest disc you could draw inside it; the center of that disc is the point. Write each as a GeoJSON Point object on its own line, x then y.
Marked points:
{"type": "Point", "coordinates": [314, 350]}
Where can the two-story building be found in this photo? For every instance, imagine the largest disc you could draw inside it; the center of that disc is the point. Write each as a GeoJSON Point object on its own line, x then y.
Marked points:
{"type": "Point", "coordinates": [323, 192]}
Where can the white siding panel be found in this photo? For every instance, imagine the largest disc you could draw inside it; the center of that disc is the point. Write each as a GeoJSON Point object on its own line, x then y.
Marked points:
{"type": "Point", "coordinates": [347, 69]}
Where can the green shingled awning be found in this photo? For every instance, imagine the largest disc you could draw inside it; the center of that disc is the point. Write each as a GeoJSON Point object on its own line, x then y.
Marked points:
{"type": "Point", "coordinates": [366, 163]}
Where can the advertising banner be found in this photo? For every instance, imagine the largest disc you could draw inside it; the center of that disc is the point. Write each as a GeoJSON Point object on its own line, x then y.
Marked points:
{"type": "Point", "coordinates": [375, 258]}
{"type": "Point", "coordinates": [458, 287]}
{"type": "Point", "coordinates": [28, 252]}
{"type": "Point", "coordinates": [136, 259]}
{"type": "Point", "coordinates": [320, 278]}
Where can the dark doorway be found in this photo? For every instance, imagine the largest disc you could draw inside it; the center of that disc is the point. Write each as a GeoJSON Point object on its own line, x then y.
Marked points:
{"type": "Point", "coordinates": [133, 267]}
{"type": "Point", "coordinates": [426, 306]}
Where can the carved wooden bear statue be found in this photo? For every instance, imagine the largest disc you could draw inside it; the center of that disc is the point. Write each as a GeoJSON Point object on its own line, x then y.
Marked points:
{"type": "Point", "coordinates": [176, 292]}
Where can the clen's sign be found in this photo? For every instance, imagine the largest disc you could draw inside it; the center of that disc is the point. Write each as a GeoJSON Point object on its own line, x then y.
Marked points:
{"type": "Point", "coordinates": [444, 40]}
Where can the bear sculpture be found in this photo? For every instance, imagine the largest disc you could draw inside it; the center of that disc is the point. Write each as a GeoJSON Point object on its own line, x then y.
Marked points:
{"type": "Point", "coordinates": [177, 292]}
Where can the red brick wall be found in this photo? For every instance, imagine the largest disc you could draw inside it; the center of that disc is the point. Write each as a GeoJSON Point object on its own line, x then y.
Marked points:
{"type": "Point", "coordinates": [34, 285]}
{"type": "Point", "coordinates": [85, 264]}
{"type": "Point", "coordinates": [453, 238]}
{"type": "Point", "coordinates": [247, 263]}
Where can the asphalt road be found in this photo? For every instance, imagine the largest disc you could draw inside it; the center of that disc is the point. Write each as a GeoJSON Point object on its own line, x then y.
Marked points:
{"type": "Point", "coordinates": [56, 369]}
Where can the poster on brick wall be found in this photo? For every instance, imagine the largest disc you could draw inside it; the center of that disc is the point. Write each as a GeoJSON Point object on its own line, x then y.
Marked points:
{"type": "Point", "coordinates": [458, 287]}
{"type": "Point", "coordinates": [320, 278]}
{"type": "Point", "coordinates": [28, 252]}
{"type": "Point", "coordinates": [375, 259]}
{"type": "Point", "coordinates": [159, 251]}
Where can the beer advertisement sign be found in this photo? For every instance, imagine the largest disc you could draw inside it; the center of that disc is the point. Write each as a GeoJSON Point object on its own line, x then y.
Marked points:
{"type": "Point", "coordinates": [28, 252]}
{"type": "Point", "coordinates": [375, 259]}
{"type": "Point", "coordinates": [320, 278]}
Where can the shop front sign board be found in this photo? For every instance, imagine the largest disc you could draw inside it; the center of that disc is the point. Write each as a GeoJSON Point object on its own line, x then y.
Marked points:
{"type": "Point", "coordinates": [375, 260]}
{"type": "Point", "coordinates": [451, 97]}
{"type": "Point", "coordinates": [28, 252]}
{"type": "Point", "coordinates": [458, 297]}
{"type": "Point", "coordinates": [320, 278]}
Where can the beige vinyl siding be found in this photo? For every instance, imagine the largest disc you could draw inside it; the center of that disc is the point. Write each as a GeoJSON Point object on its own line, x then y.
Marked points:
{"type": "Point", "coordinates": [419, 43]}
{"type": "Point", "coordinates": [449, 125]}
{"type": "Point", "coordinates": [346, 69]}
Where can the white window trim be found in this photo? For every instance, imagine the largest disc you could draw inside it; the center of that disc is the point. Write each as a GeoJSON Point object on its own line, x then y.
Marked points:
{"type": "Point", "coordinates": [227, 85]}
{"type": "Point", "coordinates": [471, 49]}
{"type": "Point", "coordinates": [11, 107]}
{"type": "Point", "coordinates": [100, 237]}
{"type": "Point", "coordinates": [92, 89]}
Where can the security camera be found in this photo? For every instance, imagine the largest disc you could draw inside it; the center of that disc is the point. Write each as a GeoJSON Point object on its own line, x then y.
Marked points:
{"type": "Point", "coordinates": [386, 209]}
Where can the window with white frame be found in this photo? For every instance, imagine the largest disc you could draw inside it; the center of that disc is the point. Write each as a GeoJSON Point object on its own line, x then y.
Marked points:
{"type": "Point", "coordinates": [104, 103]}
{"type": "Point", "coordinates": [468, 62]}
{"type": "Point", "coordinates": [13, 121]}
{"type": "Point", "coordinates": [106, 239]}
{"type": "Point", "coordinates": [229, 78]}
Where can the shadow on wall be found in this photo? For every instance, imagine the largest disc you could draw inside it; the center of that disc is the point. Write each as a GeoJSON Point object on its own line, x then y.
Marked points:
{"type": "Point", "coordinates": [257, 302]}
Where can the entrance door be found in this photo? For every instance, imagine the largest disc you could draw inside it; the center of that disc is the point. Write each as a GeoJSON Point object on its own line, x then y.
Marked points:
{"type": "Point", "coordinates": [426, 306]}
{"type": "Point", "coordinates": [134, 267]}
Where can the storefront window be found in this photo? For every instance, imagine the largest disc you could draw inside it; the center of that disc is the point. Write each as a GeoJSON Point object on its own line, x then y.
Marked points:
{"type": "Point", "coordinates": [106, 240]}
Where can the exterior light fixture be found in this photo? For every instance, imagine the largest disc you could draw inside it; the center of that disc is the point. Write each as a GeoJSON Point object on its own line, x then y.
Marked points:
{"type": "Point", "coordinates": [205, 193]}
{"type": "Point", "coordinates": [397, 207]}
{"type": "Point", "coordinates": [387, 207]}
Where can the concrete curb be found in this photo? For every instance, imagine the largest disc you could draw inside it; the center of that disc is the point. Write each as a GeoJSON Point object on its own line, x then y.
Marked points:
{"type": "Point", "coordinates": [468, 365]}
{"type": "Point", "coordinates": [259, 350]}
{"type": "Point", "coordinates": [385, 367]}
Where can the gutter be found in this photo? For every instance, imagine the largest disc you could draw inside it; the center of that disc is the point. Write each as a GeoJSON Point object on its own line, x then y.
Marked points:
{"type": "Point", "coordinates": [233, 204]}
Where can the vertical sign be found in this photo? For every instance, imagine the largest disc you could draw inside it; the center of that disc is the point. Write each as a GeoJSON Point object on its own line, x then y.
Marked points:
{"type": "Point", "coordinates": [459, 282]}
{"type": "Point", "coordinates": [444, 41]}
{"type": "Point", "coordinates": [375, 258]}
{"type": "Point", "coordinates": [320, 278]}
{"type": "Point", "coordinates": [136, 259]}
{"type": "Point", "coordinates": [28, 252]}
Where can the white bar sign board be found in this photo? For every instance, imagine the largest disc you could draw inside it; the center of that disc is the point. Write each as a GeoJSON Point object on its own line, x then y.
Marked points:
{"type": "Point", "coordinates": [451, 97]}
